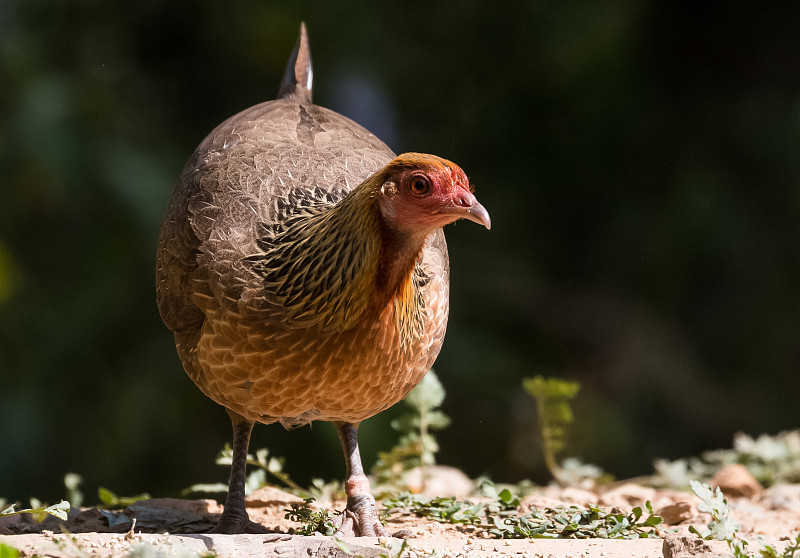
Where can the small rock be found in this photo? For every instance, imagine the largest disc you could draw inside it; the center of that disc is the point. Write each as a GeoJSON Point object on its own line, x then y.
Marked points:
{"type": "Point", "coordinates": [687, 546]}
{"type": "Point", "coordinates": [676, 513]}
{"type": "Point", "coordinates": [172, 515]}
{"type": "Point", "coordinates": [439, 480]}
{"type": "Point", "coordinates": [735, 481]}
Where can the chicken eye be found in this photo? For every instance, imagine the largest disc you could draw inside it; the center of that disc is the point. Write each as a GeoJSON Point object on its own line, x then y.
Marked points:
{"type": "Point", "coordinates": [419, 186]}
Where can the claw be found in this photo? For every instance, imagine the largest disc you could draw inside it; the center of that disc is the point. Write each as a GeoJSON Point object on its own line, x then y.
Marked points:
{"type": "Point", "coordinates": [360, 519]}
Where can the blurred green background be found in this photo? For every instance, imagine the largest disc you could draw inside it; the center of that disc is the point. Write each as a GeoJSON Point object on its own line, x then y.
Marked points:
{"type": "Point", "coordinates": [640, 160]}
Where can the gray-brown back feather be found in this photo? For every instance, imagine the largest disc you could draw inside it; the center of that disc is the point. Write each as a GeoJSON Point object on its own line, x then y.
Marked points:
{"type": "Point", "coordinates": [243, 180]}
{"type": "Point", "coordinates": [245, 177]}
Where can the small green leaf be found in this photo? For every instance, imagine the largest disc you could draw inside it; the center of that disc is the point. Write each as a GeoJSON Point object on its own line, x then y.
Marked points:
{"type": "Point", "coordinates": [72, 482]}
{"type": "Point", "coordinates": [342, 545]}
{"type": "Point", "coordinates": [111, 500]}
{"type": "Point", "coordinates": [395, 548]}
{"type": "Point", "coordinates": [7, 551]}
{"type": "Point", "coordinates": [261, 456]}
{"type": "Point", "coordinates": [60, 510]}
{"type": "Point", "coordinates": [488, 490]}
{"type": "Point", "coordinates": [437, 420]}
{"type": "Point", "coordinates": [201, 487]}
{"type": "Point", "coordinates": [428, 394]}
{"type": "Point", "coordinates": [106, 496]}
{"type": "Point", "coordinates": [653, 520]}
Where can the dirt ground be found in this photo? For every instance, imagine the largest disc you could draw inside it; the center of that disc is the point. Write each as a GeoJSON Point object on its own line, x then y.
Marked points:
{"type": "Point", "coordinates": [169, 527]}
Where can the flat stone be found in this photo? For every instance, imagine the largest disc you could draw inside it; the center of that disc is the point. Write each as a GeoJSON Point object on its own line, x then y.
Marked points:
{"type": "Point", "coordinates": [173, 515]}
{"type": "Point", "coordinates": [676, 513]}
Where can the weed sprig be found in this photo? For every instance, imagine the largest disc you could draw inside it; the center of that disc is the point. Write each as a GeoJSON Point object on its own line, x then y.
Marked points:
{"type": "Point", "coordinates": [314, 521]}
{"type": "Point", "coordinates": [110, 500]}
{"type": "Point", "coordinates": [553, 397]}
{"type": "Point", "coordinates": [39, 511]}
{"type": "Point", "coordinates": [722, 526]}
{"type": "Point", "coordinates": [500, 517]}
{"type": "Point", "coordinates": [258, 478]}
{"type": "Point", "coordinates": [417, 445]}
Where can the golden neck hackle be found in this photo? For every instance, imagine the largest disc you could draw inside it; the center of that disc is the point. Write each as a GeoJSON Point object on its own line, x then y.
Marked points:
{"type": "Point", "coordinates": [333, 263]}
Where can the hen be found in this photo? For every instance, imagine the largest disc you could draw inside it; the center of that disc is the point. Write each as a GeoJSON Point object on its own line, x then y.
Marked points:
{"type": "Point", "coordinates": [304, 273]}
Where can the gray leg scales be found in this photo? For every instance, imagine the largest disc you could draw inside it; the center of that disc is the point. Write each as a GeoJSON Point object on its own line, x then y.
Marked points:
{"type": "Point", "coordinates": [360, 518]}
{"type": "Point", "coordinates": [234, 519]}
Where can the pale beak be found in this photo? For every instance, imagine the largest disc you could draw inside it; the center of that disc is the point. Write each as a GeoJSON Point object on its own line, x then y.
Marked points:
{"type": "Point", "coordinates": [478, 214]}
{"type": "Point", "coordinates": [466, 206]}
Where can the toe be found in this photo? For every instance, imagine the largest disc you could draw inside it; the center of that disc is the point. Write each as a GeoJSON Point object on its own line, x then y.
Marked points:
{"type": "Point", "coordinates": [360, 519]}
{"type": "Point", "coordinates": [347, 526]}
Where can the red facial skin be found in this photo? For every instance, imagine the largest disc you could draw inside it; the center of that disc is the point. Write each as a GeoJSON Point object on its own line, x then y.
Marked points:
{"type": "Point", "coordinates": [428, 194]}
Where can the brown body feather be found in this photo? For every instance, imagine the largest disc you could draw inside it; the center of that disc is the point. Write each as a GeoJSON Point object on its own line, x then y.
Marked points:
{"type": "Point", "coordinates": [288, 298]}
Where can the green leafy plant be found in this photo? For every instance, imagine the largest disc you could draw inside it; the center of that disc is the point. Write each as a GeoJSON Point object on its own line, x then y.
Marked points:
{"type": "Point", "coordinates": [575, 472]}
{"type": "Point", "coordinates": [265, 465]}
{"type": "Point", "coordinates": [500, 517]}
{"type": "Point", "coordinates": [553, 397]}
{"type": "Point", "coordinates": [110, 500]}
{"type": "Point", "coordinates": [325, 490]}
{"type": "Point", "coordinates": [314, 521]}
{"type": "Point", "coordinates": [417, 445]}
{"type": "Point", "coordinates": [7, 551]}
{"type": "Point", "coordinates": [574, 522]}
{"type": "Point", "coordinates": [722, 526]}
{"type": "Point", "coordinates": [39, 511]}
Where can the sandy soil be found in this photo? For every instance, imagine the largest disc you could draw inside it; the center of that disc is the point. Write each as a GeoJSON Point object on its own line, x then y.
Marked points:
{"type": "Point", "coordinates": [168, 527]}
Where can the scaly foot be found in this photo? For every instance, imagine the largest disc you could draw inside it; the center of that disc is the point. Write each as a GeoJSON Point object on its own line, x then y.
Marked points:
{"type": "Point", "coordinates": [360, 519]}
{"type": "Point", "coordinates": [238, 524]}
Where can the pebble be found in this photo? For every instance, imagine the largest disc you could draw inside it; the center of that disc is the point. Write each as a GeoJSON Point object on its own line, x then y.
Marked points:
{"type": "Point", "coordinates": [736, 481]}
{"type": "Point", "coordinates": [676, 513]}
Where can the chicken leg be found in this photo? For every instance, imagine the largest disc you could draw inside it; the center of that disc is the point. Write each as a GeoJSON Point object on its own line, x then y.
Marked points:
{"type": "Point", "coordinates": [234, 518]}
{"type": "Point", "coordinates": [360, 518]}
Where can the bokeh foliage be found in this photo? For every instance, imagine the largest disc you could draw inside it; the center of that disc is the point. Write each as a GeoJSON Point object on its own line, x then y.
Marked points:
{"type": "Point", "coordinates": [640, 160]}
